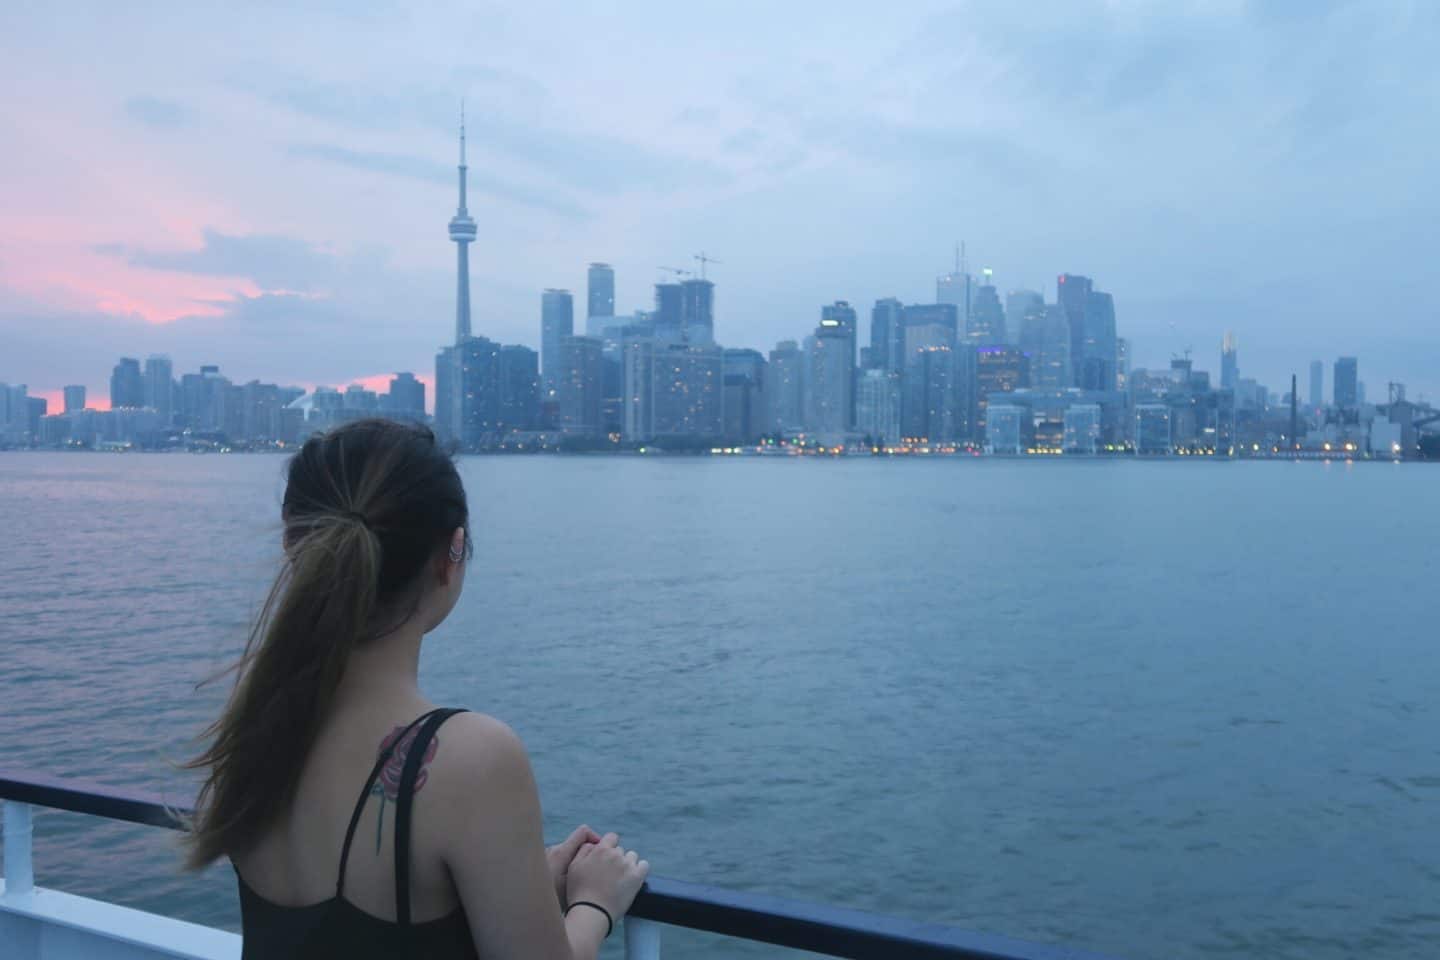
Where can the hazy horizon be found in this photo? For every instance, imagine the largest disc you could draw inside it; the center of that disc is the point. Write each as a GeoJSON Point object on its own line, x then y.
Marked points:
{"type": "Point", "coordinates": [269, 190]}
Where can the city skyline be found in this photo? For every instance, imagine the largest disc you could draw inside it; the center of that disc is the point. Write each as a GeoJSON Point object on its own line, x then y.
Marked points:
{"type": "Point", "coordinates": [275, 212]}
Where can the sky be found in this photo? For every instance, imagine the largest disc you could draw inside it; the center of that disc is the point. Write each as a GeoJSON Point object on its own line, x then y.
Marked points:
{"type": "Point", "coordinates": [268, 189]}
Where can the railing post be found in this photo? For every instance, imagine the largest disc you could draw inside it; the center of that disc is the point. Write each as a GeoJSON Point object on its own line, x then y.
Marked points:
{"type": "Point", "coordinates": [642, 939]}
{"type": "Point", "coordinates": [19, 868]}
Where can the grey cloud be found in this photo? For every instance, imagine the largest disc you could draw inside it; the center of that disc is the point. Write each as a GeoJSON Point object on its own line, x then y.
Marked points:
{"type": "Point", "coordinates": [155, 112]}
{"type": "Point", "coordinates": [272, 262]}
{"type": "Point", "coordinates": [598, 164]}
{"type": "Point", "coordinates": [432, 171]}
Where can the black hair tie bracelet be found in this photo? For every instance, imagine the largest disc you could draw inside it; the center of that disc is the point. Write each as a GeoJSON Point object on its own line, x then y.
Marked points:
{"type": "Point", "coordinates": [609, 921]}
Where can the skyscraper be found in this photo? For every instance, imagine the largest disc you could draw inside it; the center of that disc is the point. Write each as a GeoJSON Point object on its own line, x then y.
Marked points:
{"type": "Point", "coordinates": [447, 400]}
{"type": "Point", "coordinates": [830, 376]}
{"type": "Point", "coordinates": [744, 394]}
{"type": "Point", "coordinates": [1229, 370]}
{"type": "Point", "coordinates": [887, 334]}
{"type": "Point", "coordinates": [956, 289]}
{"type": "Point", "coordinates": [669, 312]}
{"type": "Point", "coordinates": [478, 383]}
{"type": "Point", "coordinates": [637, 374]}
{"type": "Point", "coordinates": [687, 392]}
{"type": "Point", "coordinates": [600, 290]}
{"type": "Point", "coordinates": [519, 388]}
{"type": "Point", "coordinates": [462, 232]}
{"type": "Point", "coordinates": [842, 313]}
{"type": "Point", "coordinates": [74, 398]}
{"type": "Point", "coordinates": [1317, 384]}
{"type": "Point", "coordinates": [877, 405]}
{"type": "Point", "coordinates": [1072, 295]}
{"type": "Point", "coordinates": [160, 388]}
{"type": "Point", "coordinates": [1045, 337]}
{"type": "Point", "coordinates": [1097, 371]}
{"type": "Point", "coordinates": [999, 370]}
{"type": "Point", "coordinates": [1347, 383]}
{"type": "Point", "coordinates": [580, 385]}
{"type": "Point", "coordinates": [1019, 304]}
{"type": "Point", "coordinates": [928, 403]}
{"type": "Point", "coordinates": [127, 386]}
{"type": "Point", "coordinates": [697, 311]}
{"type": "Point", "coordinates": [784, 393]}
{"type": "Point", "coordinates": [986, 324]}
{"type": "Point", "coordinates": [406, 399]}
{"type": "Point", "coordinates": [557, 321]}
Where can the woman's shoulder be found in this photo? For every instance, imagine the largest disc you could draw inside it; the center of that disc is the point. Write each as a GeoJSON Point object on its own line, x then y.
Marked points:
{"type": "Point", "coordinates": [478, 749]}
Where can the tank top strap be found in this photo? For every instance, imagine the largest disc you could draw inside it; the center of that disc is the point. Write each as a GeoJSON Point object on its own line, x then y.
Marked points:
{"type": "Point", "coordinates": [380, 762]}
{"type": "Point", "coordinates": [414, 759]}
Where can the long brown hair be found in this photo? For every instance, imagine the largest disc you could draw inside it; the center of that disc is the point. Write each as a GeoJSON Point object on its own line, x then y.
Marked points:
{"type": "Point", "coordinates": [367, 507]}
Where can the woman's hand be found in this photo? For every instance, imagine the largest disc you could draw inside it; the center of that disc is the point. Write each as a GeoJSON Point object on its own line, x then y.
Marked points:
{"type": "Point", "coordinates": [608, 874]}
{"type": "Point", "coordinates": [560, 856]}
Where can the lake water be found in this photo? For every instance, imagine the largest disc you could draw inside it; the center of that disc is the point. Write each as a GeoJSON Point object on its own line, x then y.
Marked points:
{"type": "Point", "coordinates": [1169, 709]}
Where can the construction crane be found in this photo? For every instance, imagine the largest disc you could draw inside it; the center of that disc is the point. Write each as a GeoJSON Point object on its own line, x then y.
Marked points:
{"type": "Point", "coordinates": [679, 274]}
{"type": "Point", "coordinates": [703, 261]}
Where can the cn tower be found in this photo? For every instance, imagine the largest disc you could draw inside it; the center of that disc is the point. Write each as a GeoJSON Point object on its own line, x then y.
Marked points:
{"type": "Point", "coordinates": [462, 231]}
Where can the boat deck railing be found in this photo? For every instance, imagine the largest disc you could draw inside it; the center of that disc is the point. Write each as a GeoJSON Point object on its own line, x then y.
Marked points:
{"type": "Point", "coordinates": [832, 931]}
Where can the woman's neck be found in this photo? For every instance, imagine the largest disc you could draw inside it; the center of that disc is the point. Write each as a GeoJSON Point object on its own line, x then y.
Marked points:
{"type": "Point", "coordinates": [382, 670]}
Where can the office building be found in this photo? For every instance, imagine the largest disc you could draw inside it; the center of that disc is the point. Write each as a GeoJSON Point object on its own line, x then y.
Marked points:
{"type": "Point", "coordinates": [1072, 294]}
{"type": "Point", "coordinates": [1152, 429]}
{"type": "Point", "coordinates": [557, 321]}
{"type": "Point", "coordinates": [581, 385]}
{"type": "Point", "coordinates": [1082, 428]}
{"type": "Point", "coordinates": [127, 385]}
{"type": "Point", "coordinates": [669, 316]}
{"type": "Point", "coordinates": [784, 389]}
{"type": "Point", "coordinates": [478, 382]}
{"type": "Point", "coordinates": [600, 292]}
{"type": "Point", "coordinates": [447, 396]}
{"type": "Point", "coordinates": [887, 335]}
{"type": "Point", "coordinates": [1097, 369]}
{"type": "Point", "coordinates": [931, 314]}
{"type": "Point", "coordinates": [1045, 338]}
{"type": "Point", "coordinates": [744, 397]}
{"type": "Point", "coordinates": [877, 406]}
{"type": "Point", "coordinates": [842, 313]}
{"type": "Point", "coordinates": [159, 388]}
{"type": "Point", "coordinates": [1122, 363]}
{"type": "Point", "coordinates": [406, 398]}
{"type": "Point", "coordinates": [697, 310]}
{"type": "Point", "coordinates": [1008, 429]}
{"type": "Point", "coordinates": [1018, 305]}
{"type": "Point", "coordinates": [1347, 383]}
{"type": "Point", "coordinates": [74, 398]}
{"type": "Point", "coordinates": [1317, 384]}
{"type": "Point", "coordinates": [687, 393]}
{"type": "Point", "coordinates": [830, 374]}
{"type": "Point", "coordinates": [998, 370]}
{"type": "Point", "coordinates": [519, 389]}
{"type": "Point", "coordinates": [637, 374]}
{"type": "Point", "coordinates": [957, 290]}
{"type": "Point", "coordinates": [930, 396]}
{"type": "Point", "coordinates": [1229, 367]}
{"type": "Point", "coordinates": [986, 323]}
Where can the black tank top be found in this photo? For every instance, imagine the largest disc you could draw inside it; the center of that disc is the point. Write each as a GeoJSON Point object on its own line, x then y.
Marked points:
{"type": "Point", "coordinates": [336, 928]}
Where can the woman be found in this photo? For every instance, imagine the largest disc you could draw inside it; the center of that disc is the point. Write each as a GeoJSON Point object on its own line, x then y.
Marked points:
{"type": "Point", "coordinates": [362, 821]}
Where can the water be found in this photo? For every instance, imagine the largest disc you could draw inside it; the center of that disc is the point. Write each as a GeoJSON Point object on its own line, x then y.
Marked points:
{"type": "Point", "coordinates": [1155, 709]}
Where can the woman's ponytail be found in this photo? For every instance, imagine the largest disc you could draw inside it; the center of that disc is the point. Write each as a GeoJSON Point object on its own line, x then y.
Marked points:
{"type": "Point", "coordinates": [338, 578]}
